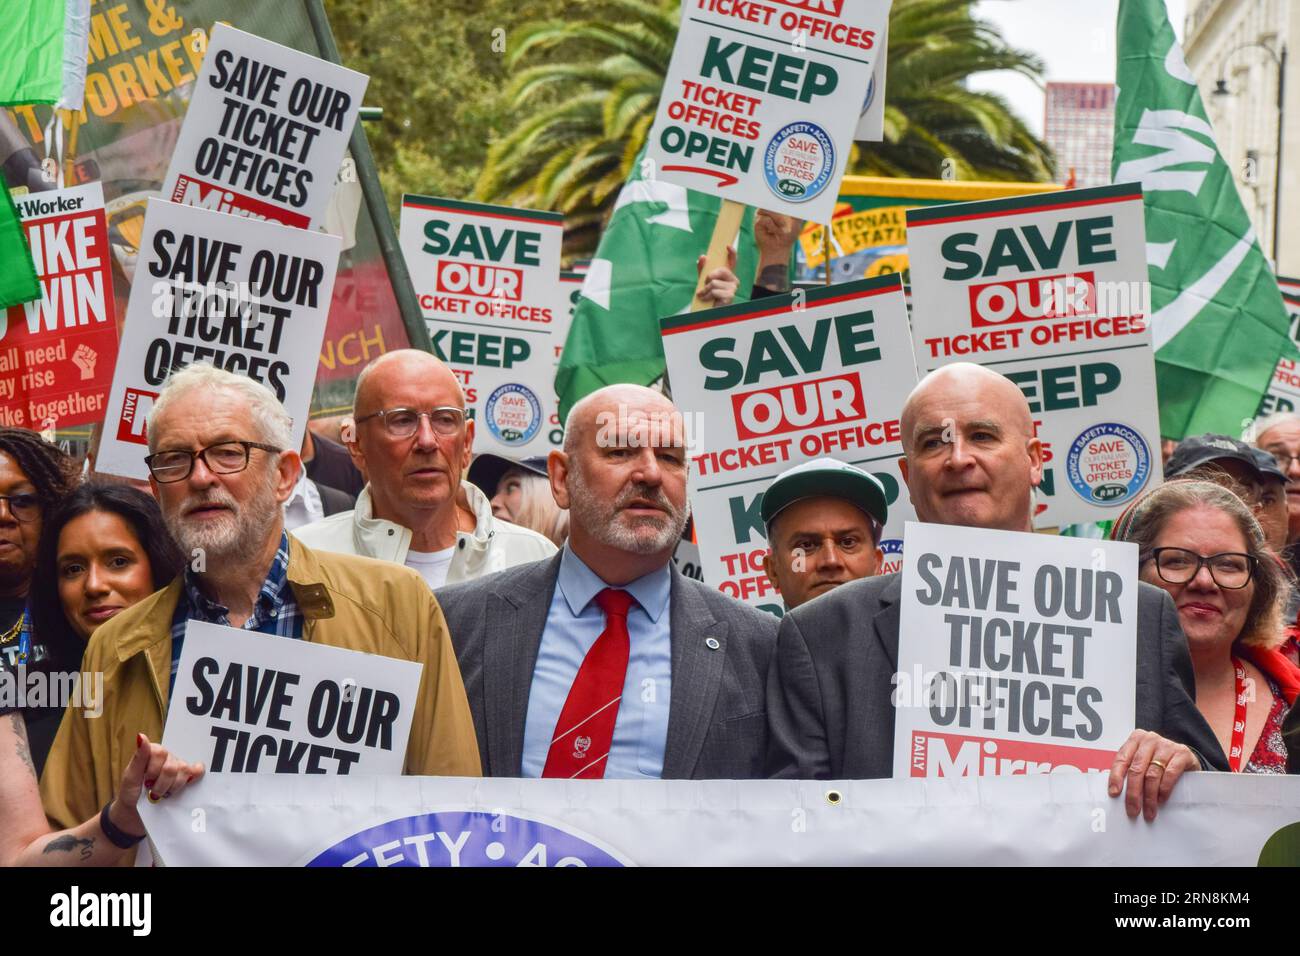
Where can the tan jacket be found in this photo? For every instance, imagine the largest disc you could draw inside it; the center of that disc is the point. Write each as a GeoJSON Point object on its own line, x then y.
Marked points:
{"type": "Point", "coordinates": [349, 602]}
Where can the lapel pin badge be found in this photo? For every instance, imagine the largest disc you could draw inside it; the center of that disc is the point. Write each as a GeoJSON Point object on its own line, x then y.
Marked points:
{"type": "Point", "coordinates": [712, 643]}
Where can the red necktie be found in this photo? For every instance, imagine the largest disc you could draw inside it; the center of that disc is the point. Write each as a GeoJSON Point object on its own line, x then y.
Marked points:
{"type": "Point", "coordinates": [585, 730]}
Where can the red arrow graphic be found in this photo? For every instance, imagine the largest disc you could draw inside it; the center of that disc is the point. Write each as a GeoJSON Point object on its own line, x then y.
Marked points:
{"type": "Point", "coordinates": [724, 179]}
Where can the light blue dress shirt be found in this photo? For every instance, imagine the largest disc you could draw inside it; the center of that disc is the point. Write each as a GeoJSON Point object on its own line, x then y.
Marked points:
{"type": "Point", "coordinates": [573, 624]}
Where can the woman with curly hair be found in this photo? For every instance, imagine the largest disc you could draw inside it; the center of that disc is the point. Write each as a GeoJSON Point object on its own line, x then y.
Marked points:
{"type": "Point", "coordinates": [34, 476]}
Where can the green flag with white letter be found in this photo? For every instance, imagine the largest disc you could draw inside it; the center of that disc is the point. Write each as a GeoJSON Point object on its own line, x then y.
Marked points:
{"type": "Point", "coordinates": [1218, 323]}
{"type": "Point", "coordinates": [43, 46]}
{"type": "Point", "coordinates": [644, 270]}
{"type": "Point", "coordinates": [18, 282]}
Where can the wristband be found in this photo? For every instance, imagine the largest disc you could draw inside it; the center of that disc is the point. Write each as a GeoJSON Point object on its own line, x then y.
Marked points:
{"type": "Point", "coordinates": [118, 837]}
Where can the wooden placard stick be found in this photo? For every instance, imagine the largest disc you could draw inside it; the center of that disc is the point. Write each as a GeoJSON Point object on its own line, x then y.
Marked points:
{"type": "Point", "coordinates": [725, 230]}
{"type": "Point", "coordinates": [826, 250]}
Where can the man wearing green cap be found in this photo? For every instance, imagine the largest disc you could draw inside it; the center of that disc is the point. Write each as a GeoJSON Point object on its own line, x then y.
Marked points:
{"type": "Point", "coordinates": [823, 520]}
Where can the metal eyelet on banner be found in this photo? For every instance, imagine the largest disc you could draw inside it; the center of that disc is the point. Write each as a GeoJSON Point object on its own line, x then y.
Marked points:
{"type": "Point", "coordinates": [834, 797]}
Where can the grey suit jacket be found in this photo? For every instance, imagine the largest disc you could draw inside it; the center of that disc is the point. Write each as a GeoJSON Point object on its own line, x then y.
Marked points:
{"type": "Point", "coordinates": [829, 702]}
{"type": "Point", "coordinates": [717, 728]}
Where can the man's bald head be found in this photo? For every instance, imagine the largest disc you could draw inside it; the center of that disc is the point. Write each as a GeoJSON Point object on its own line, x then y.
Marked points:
{"type": "Point", "coordinates": [414, 479]}
{"type": "Point", "coordinates": [938, 390]}
{"type": "Point", "coordinates": [605, 408]}
{"type": "Point", "coordinates": [377, 380]}
{"type": "Point", "coordinates": [971, 455]}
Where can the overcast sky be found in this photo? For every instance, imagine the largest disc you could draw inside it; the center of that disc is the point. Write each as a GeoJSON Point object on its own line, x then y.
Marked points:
{"type": "Point", "coordinates": [1075, 38]}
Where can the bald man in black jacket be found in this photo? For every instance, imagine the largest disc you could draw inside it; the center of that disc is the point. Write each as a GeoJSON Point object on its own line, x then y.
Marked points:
{"type": "Point", "coordinates": [972, 460]}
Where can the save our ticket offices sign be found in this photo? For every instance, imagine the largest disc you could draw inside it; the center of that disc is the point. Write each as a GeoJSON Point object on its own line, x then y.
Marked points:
{"type": "Point", "coordinates": [265, 132]}
{"type": "Point", "coordinates": [487, 278]}
{"type": "Point", "coordinates": [772, 383]}
{"type": "Point", "coordinates": [1017, 653]}
{"type": "Point", "coordinates": [762, 99]}
{"type": "Point", "coordinates": [252, 703]}
{"type": "Point", "coordinates": [248, 296]}
{"type": "Point", "coordinates": [1051, 291]}
{"type": "Point", "coordinates": [57, 352]}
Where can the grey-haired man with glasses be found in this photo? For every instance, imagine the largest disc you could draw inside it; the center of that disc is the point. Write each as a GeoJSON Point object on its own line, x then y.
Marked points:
{"type": "Point", "coordinates": [222, 464]}
{"type": "Point", "coordinates": [410, 437]}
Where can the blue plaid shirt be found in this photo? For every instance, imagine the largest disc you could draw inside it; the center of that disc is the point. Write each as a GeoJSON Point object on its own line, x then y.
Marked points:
{"type": "Point", "coordinates": [276, 611]}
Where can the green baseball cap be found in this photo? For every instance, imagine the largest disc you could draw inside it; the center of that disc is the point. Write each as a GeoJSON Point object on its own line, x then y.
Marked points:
{"type": "Point", "coordinates": [825, 478]}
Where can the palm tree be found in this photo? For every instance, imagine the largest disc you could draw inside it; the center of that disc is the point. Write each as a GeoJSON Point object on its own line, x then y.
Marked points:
{"type": "Point", "coordinates": [586, 112]}
{"type": "Point", "coordinates": [574, 152]}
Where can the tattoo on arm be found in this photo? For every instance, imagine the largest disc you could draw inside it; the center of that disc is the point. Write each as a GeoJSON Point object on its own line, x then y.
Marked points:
{"type": "Point", "coordinates": [20, 733]}
{"type": "Point", "coordinates": [67, 843]}
{"type": "Point", "coordinates": [776, 278]}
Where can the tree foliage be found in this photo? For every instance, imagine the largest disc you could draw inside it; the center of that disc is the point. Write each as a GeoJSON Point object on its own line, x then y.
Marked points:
{"type": "Point", "coordinates": [546, 103]}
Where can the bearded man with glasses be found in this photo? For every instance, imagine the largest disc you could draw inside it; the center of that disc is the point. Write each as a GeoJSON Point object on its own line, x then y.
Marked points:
{"type": "Point", "coordinates": [410, 437]}
{"type": "Point", "coordinates": [222, 465]}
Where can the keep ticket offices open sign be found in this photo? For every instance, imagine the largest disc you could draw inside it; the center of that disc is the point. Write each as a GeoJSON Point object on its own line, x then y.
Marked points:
{"type": "Point", "coordinates": [1051, 291]}
{"type": "Point", "coordinates": [762, 99]}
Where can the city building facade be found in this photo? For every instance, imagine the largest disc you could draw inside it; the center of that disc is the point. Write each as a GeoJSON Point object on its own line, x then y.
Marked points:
{"type": "Point", "coordinates": [1079, 126]}
{"type": "Point", "coordinates": [1237, 50]}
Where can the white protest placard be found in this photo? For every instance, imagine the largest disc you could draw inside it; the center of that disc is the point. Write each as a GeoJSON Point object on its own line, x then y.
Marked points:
{"type": "Point", "coordinates": [487, 281]}
{"type": "Point", "coordinates": [762, 99]}
{"type": "Point", "coordinates": [1051, 291]}
{"type": "Point", "coordinates": [257, 703]}
{"type": "Point", "coordinates": [871, 124]}
{"type": "Point", "coordinates": [772, 383]}
{"type": "Point", "coordinates": [249, 296]}
{"type": "Point", "coordinates": [1283, 394]}
{"type": "Point", "coordinates": [265, 132]}
{"type": "Point", "coordinates": [570, 292]}
{"type": "Point", "coordinates": [1017, 653]}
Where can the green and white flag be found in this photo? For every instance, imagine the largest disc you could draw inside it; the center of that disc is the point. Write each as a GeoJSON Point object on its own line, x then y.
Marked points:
{"type": "Point", "coordinates": [644, 270]}
{"type": "Point", "coordinates": [43, 46]}
{"type": "Point", "coordinates": [18, 282]}
{"type": "Point", "coordinates": [1218, 323]}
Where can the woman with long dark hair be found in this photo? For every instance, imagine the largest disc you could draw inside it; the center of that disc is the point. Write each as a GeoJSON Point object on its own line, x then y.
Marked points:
{"type": "Point", "coordinates": [103, 547]}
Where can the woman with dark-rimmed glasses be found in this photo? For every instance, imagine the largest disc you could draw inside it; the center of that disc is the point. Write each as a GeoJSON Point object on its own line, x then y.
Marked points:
{"type": "Point", "coordinates": [1199, 542]}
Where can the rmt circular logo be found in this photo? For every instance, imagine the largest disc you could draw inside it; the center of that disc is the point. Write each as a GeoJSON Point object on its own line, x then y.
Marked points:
{"type": "Point", "coordinates": [464, 838]}
{"type": "Point", "coordinates": [513, 414]}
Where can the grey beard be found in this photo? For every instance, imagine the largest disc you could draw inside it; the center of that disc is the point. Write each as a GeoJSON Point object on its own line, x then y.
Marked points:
{"type": "Point", "coordinates": [240, 534]}
{"type": "Point", "coordinates": [600, 520]}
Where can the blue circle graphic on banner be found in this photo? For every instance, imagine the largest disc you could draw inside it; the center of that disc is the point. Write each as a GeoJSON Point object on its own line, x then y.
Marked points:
{"type": "Point", "coordinates": [513, 414]}
{"type": "Point", "coordinates": [1108, 464]}
{"type": "Point", "coordinates": [465, 838]}
{"type": "Point", "coordinates": [799, 162]}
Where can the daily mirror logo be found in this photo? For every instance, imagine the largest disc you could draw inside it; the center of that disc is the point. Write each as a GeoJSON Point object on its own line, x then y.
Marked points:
{"type": "Point", "coordinates": [466, 839]}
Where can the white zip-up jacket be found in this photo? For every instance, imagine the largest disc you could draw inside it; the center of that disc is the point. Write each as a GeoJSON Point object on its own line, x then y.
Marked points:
{"type": "Point", "coordinates": [493, 545]}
